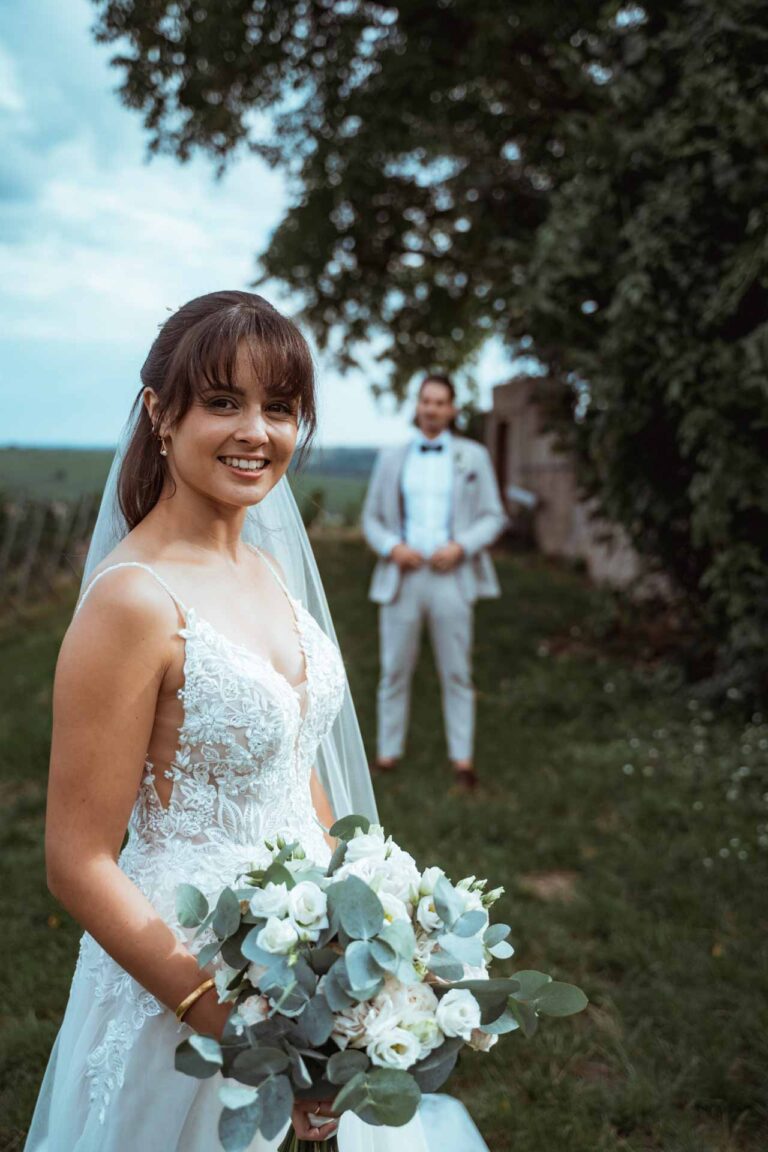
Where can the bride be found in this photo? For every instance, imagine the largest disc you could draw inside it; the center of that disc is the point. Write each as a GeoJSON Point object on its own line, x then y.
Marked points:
{"type": "Point", "coordinates": [200, 704]}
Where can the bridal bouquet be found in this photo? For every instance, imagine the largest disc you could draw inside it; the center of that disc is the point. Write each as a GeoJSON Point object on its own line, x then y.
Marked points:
{"type": "Point", "coordinates": [358, 981]}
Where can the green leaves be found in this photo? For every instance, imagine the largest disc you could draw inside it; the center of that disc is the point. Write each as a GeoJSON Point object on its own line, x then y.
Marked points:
{"type": "Point", "coordinates": [191, 906]}
{"type": "Point", "coordinates": [357, 908]}
{"type": "Point", "coordinates": [226, 919]}
{"type": "Point", "coordinates": [345, 828]}
{"type": "Point", "coordinates": [199, 1056]}
{"type": "Point", "coordinates": [386, 1096]}
{"type": "Point", "coordinates": [343, 1066]}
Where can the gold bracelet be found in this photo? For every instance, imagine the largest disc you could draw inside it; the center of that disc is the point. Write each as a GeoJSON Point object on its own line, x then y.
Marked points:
{"type": "Point", "coordinates": [193, 997]}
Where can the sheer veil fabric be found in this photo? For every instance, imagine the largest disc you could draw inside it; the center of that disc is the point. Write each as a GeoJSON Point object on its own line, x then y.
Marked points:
{"type": "Point", "coordinates": [142, 1082]}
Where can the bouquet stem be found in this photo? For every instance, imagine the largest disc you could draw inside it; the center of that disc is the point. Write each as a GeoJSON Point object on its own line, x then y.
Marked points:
{"type": "Point", "coordinates": [291, 1143]}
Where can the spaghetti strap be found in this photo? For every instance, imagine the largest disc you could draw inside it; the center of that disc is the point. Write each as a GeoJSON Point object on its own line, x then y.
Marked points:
{"type": "Point", "coordinates": [133, 564]}
{"type": "Point", "coordinates": [263, 556]}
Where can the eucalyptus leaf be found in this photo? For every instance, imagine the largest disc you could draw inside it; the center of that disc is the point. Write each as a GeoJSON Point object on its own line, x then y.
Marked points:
{"type": "Point", "coordinates": [449, 903]}
{"type": "Point", "coordinates": [276, 1096]}
{"type": "Point", "coordinates": [392, 1098]}
{"type": "Point", "coordinates": [254, 1065]}
{"type": "Point", "coordinates": [238, 1127]}
{"type": "Point", "coordinates": [445, 967]}
{"type": "Point", "coordinates": [467, 949]}
{"type": "Point", "coordinates": [316, 1021]}
{"type": "Point", "coordinates": [235, 1095]}
{"type": "Point", "coordinates": [299, 1072]}
{"type": "Point", "coordinates": [384, 954]}
{"type": "Point", "coordinates": [226, 920]}
{"type": "Point", "coordinates": [345, 828]}
{"type": "Point", "coordinates": [198, 1056]}
{"type": "Point", "coordinates": [322, 959]}
{"type": "Point", "coordinates": [558, 999]}
{"type": "Point", "coordinates": [502, 951]}
{"type": "Point", "coordinates": [362, 968]}
{"type": "Point", "coordinates": [277, 873]}
{"type": "Point", "coordinates": [352, 1095]}
{"type": "Point", "coordinates": [400, 936]}
{"type": "Point", "coordinates": [250, 948]}
{"type": "Point", "coordinates": [337, 859]}
{"type": "Point", "coordinates": [342, 1066]}
{"type": "Point", "coordinates": [530, 984]}
{"type": "Point", "coordinates": [208, 952]}
{"type": "Point", "coordinates": [506, 1022]}
{"type": "Point", "coordinates": [495, 934]}
{"type": "Point", "coordinates": [358, 908]}
{"type": "Point", "coordinates": [334, 990]}
{"type": "Point", "coordinates": [470, 923]}
{"type": "Point", "coordinates": [191, 906]}
{"type": "Point", "coordinates": [524, 1014]}
{"type": "Point", "coordinates": [432, 1078]}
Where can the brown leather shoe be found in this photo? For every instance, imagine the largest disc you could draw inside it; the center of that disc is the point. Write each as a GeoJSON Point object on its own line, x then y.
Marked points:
{"type": "Point", "coordinates": [466, 779]}
{"type": "Point", "coordinates": [382, 767]}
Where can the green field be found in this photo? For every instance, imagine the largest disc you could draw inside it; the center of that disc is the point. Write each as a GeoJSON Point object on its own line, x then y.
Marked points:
{"type": "Point", "coordinates": [627, 822]}
{"type": "Point", "coordinates": [66, 473]}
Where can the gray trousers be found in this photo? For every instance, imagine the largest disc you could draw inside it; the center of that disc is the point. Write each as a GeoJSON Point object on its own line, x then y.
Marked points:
{"type": "Point", "coordinates": [434, 597]}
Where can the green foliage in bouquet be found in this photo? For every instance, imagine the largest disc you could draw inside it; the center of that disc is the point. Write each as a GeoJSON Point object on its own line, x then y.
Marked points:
{"type": "Point", "coordinates": [306, 985]}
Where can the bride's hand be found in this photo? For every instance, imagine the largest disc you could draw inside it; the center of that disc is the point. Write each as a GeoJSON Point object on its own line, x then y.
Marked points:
{"type": "Point", "coordinates": [302, 1125]}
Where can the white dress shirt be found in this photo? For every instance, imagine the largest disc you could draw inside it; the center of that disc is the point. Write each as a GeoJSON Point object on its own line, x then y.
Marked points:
{"type": "Point", "coordinates": [427, 486]}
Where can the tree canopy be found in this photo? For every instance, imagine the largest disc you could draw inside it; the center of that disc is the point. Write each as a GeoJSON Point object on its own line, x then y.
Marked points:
{"type": "Point", "coordinates": [585, 181]}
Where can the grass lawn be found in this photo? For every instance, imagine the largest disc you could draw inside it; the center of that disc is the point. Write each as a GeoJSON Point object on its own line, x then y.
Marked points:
{"type": "Point", "coordinates": [628, 824]}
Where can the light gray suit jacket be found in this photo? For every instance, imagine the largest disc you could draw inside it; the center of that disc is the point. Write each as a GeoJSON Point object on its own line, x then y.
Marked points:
{"type": "Point", "coordinates": [478, 519]}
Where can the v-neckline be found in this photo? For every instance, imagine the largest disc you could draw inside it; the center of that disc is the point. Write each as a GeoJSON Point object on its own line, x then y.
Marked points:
{"type": "Point", "coordinates": [296, 690]}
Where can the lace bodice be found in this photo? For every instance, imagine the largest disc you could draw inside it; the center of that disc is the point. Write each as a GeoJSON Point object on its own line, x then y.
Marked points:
{"type": "Point", "coordinates": [240, 775]}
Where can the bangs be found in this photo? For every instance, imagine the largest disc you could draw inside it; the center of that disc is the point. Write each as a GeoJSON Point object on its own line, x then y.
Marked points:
{"type": "Point", "coordinates": [205, 359]}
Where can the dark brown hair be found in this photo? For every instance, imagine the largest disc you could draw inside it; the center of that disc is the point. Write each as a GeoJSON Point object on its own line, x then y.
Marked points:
{"type": "Point", "coordinates": [197, 348]}
{"type": "Point", "coordinates": [438, 378]}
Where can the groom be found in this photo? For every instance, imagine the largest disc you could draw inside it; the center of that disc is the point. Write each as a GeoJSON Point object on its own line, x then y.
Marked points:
{"type": "Point", "coordinates": [431, 511]}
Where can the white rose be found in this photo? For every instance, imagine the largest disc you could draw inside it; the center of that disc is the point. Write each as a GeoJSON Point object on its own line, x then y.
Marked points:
{"type": "Point", "coordinates": [458, 1013]}
{"type": "Point", "coordinates": [421, 997]}
{"type": "Point", "coordinates": [254, 1009]}
{"type": "Point", "coordinates": [366, 870]}
{"type": "Point", "coordinates": [349, 1025]}
{"type": "Point", "coordinates": [394, 909]}
{"type": "Point", "coordinates": [482, 1041]}
{"type": "Point", "coordinates": [429, 878]}
{"type": "Point", "coordinates": [427, 916]}
{"type": "Point", "coordinates": [277, 936]}
{"type": "Point", "coordinates": [367, 845]}
{"type": "Point", "coordinates": [270, 901]}
{"type": "Point", "coordinates": [307, 909]}
{"type": "Point", "coordinates": [394, 1048]}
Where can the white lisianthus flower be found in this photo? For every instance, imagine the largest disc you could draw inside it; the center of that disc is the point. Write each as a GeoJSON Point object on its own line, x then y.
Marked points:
{"type": "Point", "coordinates": [427, 916]}
{"type": "Point", "coordinates": [400, 877]}
{"type": "Point", "coordinates": [308, 909]}
{"type": "Point", "coordinates": [270, 901]}
{"type": "Point", "coordinates": [429, 878]}
{"type": "Point", "coordinates": [425, 946]}
{"type": "Point", "coordinates": [458, 1013]}
{"type": "Point", "coordinates": [366, 869]}
{"type": "Point", "coordinates": [394, 909]}
{"type": "Point", "coordinates": [254, 1009]}
{"type": "Point", "coordinates": [482, 1041]}
{"type": "Point", "coordinates": [425, 1028]}
{"type": "Point", "coordinates": [394, 1048]}
{"type": "Point", "coordinates": [277, 936]}
{"type": "Point", "coordinates": [367, 845]}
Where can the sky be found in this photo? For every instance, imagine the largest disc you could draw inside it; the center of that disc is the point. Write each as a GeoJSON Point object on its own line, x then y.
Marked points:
{"type": "Point", "coordinates": [98, 243]}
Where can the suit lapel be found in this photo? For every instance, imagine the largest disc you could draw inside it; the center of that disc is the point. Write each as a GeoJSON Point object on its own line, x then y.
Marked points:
{"type": "Point", "coordinates": [398, 464]}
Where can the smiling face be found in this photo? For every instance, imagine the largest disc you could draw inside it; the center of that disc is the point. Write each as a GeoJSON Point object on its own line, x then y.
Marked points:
{"type": "Point", "coordinates": [236, 439]}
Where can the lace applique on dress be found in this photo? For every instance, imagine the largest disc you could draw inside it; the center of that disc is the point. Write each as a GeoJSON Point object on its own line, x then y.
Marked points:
{"type": "Point", "coordinates": [241, 774]}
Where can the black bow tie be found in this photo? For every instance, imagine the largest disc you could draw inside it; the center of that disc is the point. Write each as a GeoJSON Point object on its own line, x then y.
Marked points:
{"type": "Point", "coordinates": [431, 447]}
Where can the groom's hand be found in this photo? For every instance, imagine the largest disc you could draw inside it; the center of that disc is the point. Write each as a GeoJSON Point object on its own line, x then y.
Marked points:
{"type": "Point", "coordinates": [406, 558]}
{"type": "Point", "coordinates": [447, 557]}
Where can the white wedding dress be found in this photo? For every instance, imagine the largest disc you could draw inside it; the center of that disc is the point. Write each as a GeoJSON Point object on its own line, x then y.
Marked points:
{"type": "Point", "coordinates": [240, 774]}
